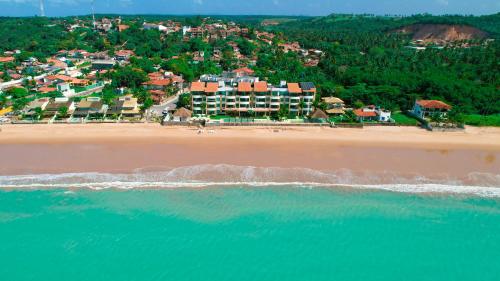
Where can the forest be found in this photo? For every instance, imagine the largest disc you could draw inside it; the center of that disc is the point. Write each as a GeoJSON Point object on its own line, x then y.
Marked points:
{"type": "Point", "coordinates": [369, 62]}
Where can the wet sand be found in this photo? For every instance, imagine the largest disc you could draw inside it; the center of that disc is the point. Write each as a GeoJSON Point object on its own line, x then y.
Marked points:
{"type": "Point", "coordinates": [34, 149]}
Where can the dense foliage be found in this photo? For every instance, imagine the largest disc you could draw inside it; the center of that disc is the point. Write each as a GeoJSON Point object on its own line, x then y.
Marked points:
{"type": "Point", "coordinates": [366, 60]}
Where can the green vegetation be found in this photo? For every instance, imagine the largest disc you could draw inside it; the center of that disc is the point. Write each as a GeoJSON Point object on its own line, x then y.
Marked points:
{"type": "Point", "coordinates": [365, 60]}
{"type": "Point", "coordinates": [403, 119]}
{"type": "Point", "coordinates": [482, 121]}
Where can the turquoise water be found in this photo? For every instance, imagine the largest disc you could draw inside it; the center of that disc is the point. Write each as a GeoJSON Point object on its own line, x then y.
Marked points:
{"type": "Point", "coordinates": [247, 234]}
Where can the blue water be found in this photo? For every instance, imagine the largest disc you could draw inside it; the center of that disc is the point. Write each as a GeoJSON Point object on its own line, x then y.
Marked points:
{"type": "Point", "coordinates": [247, 233]}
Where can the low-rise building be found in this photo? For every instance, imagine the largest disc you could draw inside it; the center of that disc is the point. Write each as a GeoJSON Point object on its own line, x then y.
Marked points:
{"type": "Point", "coordinates": [90, 106]}
{"type": "Point", "coordinates": [103, 64]}
{"type": "Point", "coordinates": [182, 115]}
{"type": "Point", "coordinates": [427, 108]}
{"type": "Point", "coordinates": [372, 113]}
{"type": "Point", "coordinates": [334, 105]}
{"type": "Point", "coordinates": [54, 106]}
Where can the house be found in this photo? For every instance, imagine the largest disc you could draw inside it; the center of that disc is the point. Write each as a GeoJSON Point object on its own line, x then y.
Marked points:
{"type": "Point", "coordinates": [30, 109]}
{"type": "Point", "coordinates": [65, 89]}
{"type": "Point", "coordinates": [57, 63]}
{"type": "Point", "coordinates": [427, 108]}
{"type": "Point", "coordinates": [123, 55]}
{"type": "Point", "coordinates": [157, 96]}
{"type": "Point", "coordinates": [130, 107]}
{"type": "Point", "coordinates": [90, 106]}
{"type": "Point", "coordinates": [244, 71]}
{"type": "Point", "coordinates": [7, 59]}
{"type": "Point", "coordinates": [57, 104]}
{"type": "Point", "coordinates": [182, 115]}
{"type": "Point", "coordinates": [334, 105]}
{"type": "Point", "coordinates": [157, 84]}
{"type": "Point", "coordinates": [122, 27]}
{"type": "Point", "coordinates": [103, 64]}
{"type": "Point", "coordinates": [372, 113]}
{"type": "Point", "coordinates": [46, 90]}
{"type": "Point", "coordinates": [319, 114]}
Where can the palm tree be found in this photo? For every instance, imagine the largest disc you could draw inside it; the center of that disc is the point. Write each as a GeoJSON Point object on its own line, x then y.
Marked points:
{"type": "Point", "coordinates": [38, 113]}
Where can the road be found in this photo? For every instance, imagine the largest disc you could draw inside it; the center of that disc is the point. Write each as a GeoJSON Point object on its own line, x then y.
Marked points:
{"type": "Point", "coordinates": [170, 104]}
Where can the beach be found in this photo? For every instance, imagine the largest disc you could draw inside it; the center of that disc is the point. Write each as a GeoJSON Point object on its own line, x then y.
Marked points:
{"type": "Point", "coordinates": [297, 204]}
{"type": "Point", "coordinates": [123, 148]}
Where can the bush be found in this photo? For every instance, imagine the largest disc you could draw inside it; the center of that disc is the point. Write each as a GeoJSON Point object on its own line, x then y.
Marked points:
{"type": "Point", "coordinates": [482, 120]}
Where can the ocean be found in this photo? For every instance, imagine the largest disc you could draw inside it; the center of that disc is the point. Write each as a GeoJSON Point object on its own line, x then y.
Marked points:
{"type": "Point", "coordinates": [287, 232]}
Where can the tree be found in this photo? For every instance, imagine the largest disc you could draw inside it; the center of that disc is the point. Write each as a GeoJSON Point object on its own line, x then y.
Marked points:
{"type": "Point", "coordinates": [62, 112]}
{"type": "Point", "coordinates": [148, 103]}
{"type": "Point", "coordinates": [184, 101]}
{"type": "Point", "coordinates": [38, 113]}
{"type": "Point", "coordinates": [128, 77]}
{"type": "Point", "coordinates": [358, 104]}
{"type": "Point", "coordinates": [19, 104]}
{"type": "Point", "coordinates": [283, 112]}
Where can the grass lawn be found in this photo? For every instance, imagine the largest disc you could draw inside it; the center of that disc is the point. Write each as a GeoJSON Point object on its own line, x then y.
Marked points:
{"type": "Point", "coordinates": [482, 121]}
{"type": "Point", "coordinates": [402, 119]}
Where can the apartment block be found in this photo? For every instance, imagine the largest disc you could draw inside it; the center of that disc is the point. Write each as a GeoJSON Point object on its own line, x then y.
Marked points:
{"type": "Point", "coordinates": [238, 98]}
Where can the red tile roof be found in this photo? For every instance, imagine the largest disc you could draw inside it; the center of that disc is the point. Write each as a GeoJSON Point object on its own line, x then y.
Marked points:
{"type": "Point", "coordinates": [260, 87]}
{"type": "Point", "coordinates": [159, 82]}
{"type": "Point", "coordinates": [294, 88]}
{"type": "Point", "coordinates": [212, 87]}
{"type": "Point", "coordinates": [244, 87]}
{"type": "Point", "coordinates": [198, 87]}
{"type": "Point", "coordinates": [361, 113]}
{"type": "Point", "coordinates": [124, 53]}
{"type": "Point", "coordinates": [7, 59]}
{"type": "Point", "coordinates": [64, 78]}
{"type": "Point", "coordinates": [46, 89]}
{"type": "Point", "coordinates": [435, 104]}
{"type": "Point", "coordinates": [245, 70]}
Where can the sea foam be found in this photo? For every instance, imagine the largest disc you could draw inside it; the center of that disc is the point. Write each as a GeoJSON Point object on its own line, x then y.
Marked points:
{"type": "Point", "coordinates": [205, 176]}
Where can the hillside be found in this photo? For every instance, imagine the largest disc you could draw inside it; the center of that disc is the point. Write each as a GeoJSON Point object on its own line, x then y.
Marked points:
{"type": "Point", "coordinates": [443, 32]}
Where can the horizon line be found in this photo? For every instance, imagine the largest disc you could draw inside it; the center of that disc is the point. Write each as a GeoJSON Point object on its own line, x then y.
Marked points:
{"type": "Point", "coordinates": [254, 15]}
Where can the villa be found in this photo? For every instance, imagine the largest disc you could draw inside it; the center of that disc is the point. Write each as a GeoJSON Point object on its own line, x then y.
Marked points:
{"type": "Point", "coordinates": [220, 97]}
{"type": "Point", "coordinates": [57, 104]}
{"type": "Point", "coordinates": [334, 106]}
{"type": "Point", "coordinates": [90, 106]}
{"type": "Point", "coordinates": [125, 106]}
{"type": "Point", "coordinates": [372, 113]}
{"type": "Point", "coordinates": [427, 108]}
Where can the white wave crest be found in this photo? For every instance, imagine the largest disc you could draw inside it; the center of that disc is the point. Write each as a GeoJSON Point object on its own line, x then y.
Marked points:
{"type": "Point", "coordinates": [202, 176]}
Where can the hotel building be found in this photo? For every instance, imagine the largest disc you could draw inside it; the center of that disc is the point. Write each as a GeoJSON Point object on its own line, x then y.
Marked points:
{"type": "Point", "coordinates": [221, 97]}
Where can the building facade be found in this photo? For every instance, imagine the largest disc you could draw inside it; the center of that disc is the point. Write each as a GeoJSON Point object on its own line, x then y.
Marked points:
{"type": "Point", "coordinates": [253, 96]}
{"type": "Point", "coordinates": [427, 108]}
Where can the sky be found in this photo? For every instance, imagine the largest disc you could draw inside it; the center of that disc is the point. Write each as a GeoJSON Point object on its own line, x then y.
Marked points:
{"type": "Point", "coordinates": [249, 7]}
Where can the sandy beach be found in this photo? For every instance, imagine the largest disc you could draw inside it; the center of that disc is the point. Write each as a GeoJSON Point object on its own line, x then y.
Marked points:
{"type": "Point", "coordinates": [33, 149]}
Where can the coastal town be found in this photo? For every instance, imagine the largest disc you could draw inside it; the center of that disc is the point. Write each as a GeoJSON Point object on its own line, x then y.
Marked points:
{"type": "Point", "coordinates": [228, 88]}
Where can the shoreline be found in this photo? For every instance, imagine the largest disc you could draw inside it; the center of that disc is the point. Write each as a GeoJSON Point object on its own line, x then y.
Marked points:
{"type": "Point", "coordinates": [118, 148]}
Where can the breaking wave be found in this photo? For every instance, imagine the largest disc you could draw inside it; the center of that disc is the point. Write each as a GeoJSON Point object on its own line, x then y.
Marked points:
{"type": "Point", "coordinates": [204, 176]}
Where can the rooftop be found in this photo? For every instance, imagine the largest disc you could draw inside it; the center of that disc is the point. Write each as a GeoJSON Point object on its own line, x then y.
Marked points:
{"type": "Point", "coordinates": [293, 88]}
{"type": "Point", "coordinates": [433, 104]}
